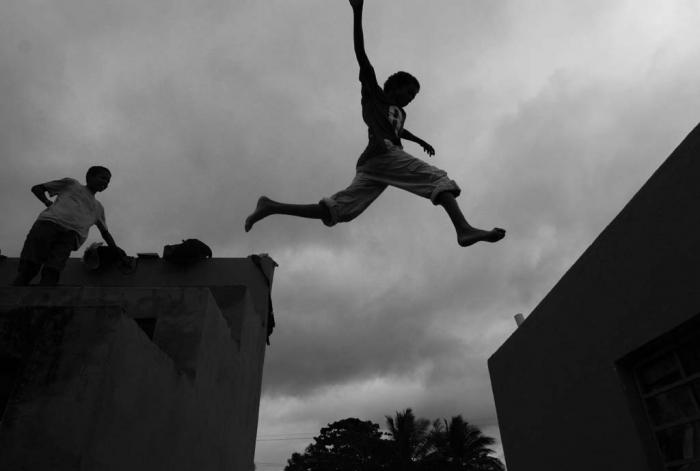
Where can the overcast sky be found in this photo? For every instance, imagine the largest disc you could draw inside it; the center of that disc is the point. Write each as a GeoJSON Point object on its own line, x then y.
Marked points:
{"type": "Point", "coordinates": [549, 114]}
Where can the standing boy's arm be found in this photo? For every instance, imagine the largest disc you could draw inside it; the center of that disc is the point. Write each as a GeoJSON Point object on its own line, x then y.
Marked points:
{"type": "Point", "coordinates": [108, 237]}
{"type": "Point", "coordinates": [358, 35]}
{"type": "Point", "coordinates": [105, 234]}
{"type": "Point", "coordinates": [409, 136]}
{"type": "Point", "coordinates": [40, 192]}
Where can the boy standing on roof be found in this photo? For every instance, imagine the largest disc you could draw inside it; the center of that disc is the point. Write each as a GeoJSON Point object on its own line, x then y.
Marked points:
{"type": "Point", "coordinates": [383, 162]}
{"type": "Point", "coordinates": [63, 226]}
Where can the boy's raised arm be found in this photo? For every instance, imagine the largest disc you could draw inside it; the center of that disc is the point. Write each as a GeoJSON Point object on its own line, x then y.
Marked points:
{"type": "Point", "coordinates": [358, 35]}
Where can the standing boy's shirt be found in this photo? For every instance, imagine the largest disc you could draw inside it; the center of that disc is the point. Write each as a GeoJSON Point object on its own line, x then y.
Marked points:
{"type": "Point", "coordinates": [75, 208]}
{"type": "Point", "coordinates": [384, 119]}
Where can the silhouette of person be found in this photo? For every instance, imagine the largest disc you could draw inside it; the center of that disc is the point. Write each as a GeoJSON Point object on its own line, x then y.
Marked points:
{"type": "Point", "coordinates": [63, 226]}
{"type": "Point", "coordinates": [383, 162]}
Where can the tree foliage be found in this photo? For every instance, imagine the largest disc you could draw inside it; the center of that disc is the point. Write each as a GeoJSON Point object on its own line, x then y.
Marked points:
{"type": "Point", "coordinates": [347, 445]}
{"type": "Point", "coordinates": [409, 437]}
{"type": "Point", "coordinates": [411, 444]}
{"type": "Point", "coordinates": [458, 445]}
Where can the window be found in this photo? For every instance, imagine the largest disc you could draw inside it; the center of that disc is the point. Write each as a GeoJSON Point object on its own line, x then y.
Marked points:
{"type": "Point", "coordinates": [667, 380]}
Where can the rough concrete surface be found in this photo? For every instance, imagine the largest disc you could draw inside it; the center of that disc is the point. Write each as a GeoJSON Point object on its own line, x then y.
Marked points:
{"type": "Point", "coordinates": [96, 392]}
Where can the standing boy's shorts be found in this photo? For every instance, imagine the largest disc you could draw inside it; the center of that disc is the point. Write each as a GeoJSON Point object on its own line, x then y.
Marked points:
{"type": "Point", "coordinates": [48, 244]}
{"type": "Point", "coordinates": [396, 168]}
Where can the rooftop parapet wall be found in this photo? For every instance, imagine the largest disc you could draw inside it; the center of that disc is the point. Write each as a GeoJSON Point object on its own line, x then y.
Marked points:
{"type": "Point", "coordinates": [158, 272]}
{"type": "Point", "coordinates": [218, 274]}
{"type": "Point", "coordinates": [99, 391]}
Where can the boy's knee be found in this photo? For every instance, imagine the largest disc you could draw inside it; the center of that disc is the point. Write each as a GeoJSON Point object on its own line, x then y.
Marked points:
{"type": "Point", "coordinates": [329, 212]}
{"type": "Point", "coordinates": [22, 280]}
{"type": "Point", "coordinates": [49, 276]}
{"type": "Point", "coordinates": [26, 271]}
{"type": "Point", "coordinates": [445, 191]}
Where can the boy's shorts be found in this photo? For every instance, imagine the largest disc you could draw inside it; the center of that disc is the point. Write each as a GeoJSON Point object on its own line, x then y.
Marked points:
{"type": "Point", "coordinates": [396, 168]}
{"type": "Point", "coordinates": [48, 244]}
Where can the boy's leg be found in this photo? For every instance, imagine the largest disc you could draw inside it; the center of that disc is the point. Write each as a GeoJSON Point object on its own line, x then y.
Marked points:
{"type": "Point", "coordinates": [26, 271]}
{"type": "Point", "coordinates": [49, 276]}
{"type": "Point", "coordinates": [466, 233]}
{"type": "Point", "coordinates": [343, 206]}
{"type": "Point", "coordinates": [267, 207]}
{"type": "Point", "coordinates": [409, 173]}
{"type": "Point", "coordinates": [34, 252]}
{"type": "Point", "coordinates": [61, 247]}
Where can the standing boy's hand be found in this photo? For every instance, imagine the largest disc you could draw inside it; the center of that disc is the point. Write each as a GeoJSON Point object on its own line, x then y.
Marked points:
{"type": "Point", "coordinates": [40, 192]}
{"type": "Point", "coordinates": [356, 3]}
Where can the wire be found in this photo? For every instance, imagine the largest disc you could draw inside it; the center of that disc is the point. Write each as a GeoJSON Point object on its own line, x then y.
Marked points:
{"type": "Point", "coordinates": [281, 439]}
{"type": "Point", "coordinates": [284, 434]}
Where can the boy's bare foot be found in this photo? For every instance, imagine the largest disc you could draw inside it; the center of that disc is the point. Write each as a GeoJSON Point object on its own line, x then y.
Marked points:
{"type": "Point", "coordinates": [478, 235]}
{"type": "Point", "coordinates": [261, 211]}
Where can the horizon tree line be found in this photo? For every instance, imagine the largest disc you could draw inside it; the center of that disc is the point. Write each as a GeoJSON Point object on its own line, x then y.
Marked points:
{"type": "Point", "coordinates": [409, 444]}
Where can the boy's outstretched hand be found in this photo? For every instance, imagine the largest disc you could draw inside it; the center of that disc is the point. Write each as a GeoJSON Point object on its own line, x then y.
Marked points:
{"type": "Point", "coordinates": [428, 148]}
{"type": "Point", "coordinates": [356, 3]}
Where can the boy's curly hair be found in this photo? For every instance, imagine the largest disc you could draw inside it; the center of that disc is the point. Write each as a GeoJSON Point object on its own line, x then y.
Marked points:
{"type": "Point", "coordinates": [94, 170]}
{"type": "Point", "coordinates": [400, 79]}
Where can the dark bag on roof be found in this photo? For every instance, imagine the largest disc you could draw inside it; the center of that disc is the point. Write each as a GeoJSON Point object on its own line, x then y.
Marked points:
{"type": "Point", "coordinates": [97, 255]}
{"type": "Point", "coordinates": [189, 251]}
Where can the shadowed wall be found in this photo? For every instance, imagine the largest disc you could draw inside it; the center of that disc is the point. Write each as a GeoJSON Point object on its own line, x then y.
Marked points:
{"type": "Point", "coordinates": [562, 397]}
{"type": "Point", "coordinates": [165, 376]}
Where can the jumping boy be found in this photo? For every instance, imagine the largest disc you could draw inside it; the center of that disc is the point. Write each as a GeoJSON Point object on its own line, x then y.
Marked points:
{"type": "Point", "coordinates": [384, 161]}
{"type": "Point", "coordinates": [63, 226]}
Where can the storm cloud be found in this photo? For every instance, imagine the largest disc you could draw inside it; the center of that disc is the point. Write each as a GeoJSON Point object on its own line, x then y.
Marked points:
{"type": "Point", "coordinates": [550, 116]}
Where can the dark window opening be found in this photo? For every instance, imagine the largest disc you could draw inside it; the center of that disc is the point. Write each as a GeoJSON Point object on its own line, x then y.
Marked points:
{"type": "Point", "coordinates": [10, 371]}
{"type": "Point", "coordinates": [148, 325]}
{"type": "Point", "coordinates": [666, 374]}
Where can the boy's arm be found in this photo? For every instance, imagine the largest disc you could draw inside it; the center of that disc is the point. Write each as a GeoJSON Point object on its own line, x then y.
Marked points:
{"type": "Point", "coordinates": [108, 237]}
{"type": "Point", "coordinates": [358, 35]}
{"type": "Point", "coordinates": [105, 234]}
{"type": "Point", "coordinates": [40, 192]}
{"type": "Point", "coordinates": [409, 136]}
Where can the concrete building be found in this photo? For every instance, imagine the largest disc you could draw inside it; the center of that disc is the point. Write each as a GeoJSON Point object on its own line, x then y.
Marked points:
{"type": "Point", "coordinates": [604, 374]}
{"type": "Point", "coordinates": [159, 369]}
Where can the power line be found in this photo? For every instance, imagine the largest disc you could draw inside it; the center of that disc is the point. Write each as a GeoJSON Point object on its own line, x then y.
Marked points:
{"type": "Point", "coordinates": [285, 435]}
{"type": "Point", "coordinates": [277, 466]}
{"type": "Point", "coordinates": [310, 435]}
{"type": "Point", "coordinates": [281, 439]}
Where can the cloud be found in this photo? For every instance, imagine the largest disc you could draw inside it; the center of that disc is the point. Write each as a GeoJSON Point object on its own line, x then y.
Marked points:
{"type": "Point", "coordinates": [550, 115]}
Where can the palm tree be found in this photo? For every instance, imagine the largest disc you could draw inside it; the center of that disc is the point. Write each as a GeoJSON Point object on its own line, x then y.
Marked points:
{"type": "Point", "coordinates": [458, 445]}
{"type": "Point", "coordinates": [410, 439]}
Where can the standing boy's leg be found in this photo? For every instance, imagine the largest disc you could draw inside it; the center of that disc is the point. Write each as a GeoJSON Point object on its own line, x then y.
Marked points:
{"type": "Point", "coordinates": [26, 271]}
{"type": "Point", "coordinates": [34, 252]}
{"type": "Point", "coordinates": [49, 276]}
{"type": "Point", "coordinates": [59, 251]}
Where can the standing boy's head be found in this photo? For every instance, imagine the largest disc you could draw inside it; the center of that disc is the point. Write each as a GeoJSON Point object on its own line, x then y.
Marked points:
{"type": "Point", "coordinates": [401, 88]}
{"type": "Point", "coordinates": [97, 178]}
